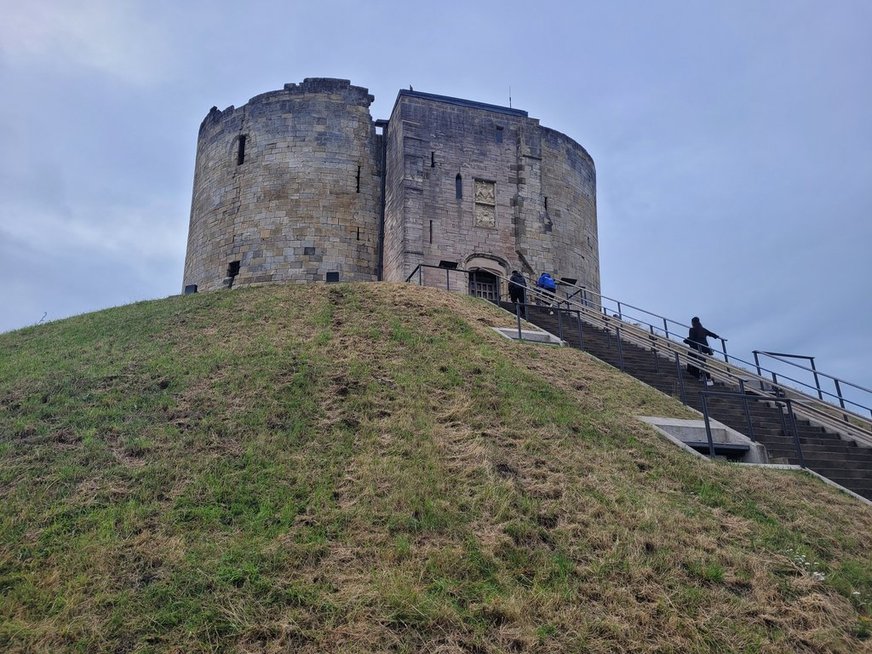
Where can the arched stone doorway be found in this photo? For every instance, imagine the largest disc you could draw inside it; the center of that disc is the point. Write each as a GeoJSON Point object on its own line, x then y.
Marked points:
{"type": "Point", "coordinates": [484, 284]}
{"type": "Point", "coordinates": [485, 273]}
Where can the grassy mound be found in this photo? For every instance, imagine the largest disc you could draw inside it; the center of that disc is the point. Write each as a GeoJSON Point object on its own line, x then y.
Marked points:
{"type": "Point", "coordinates": [369, 468]}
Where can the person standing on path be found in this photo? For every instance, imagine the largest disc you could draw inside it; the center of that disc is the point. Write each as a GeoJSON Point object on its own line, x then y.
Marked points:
{"type": "Point", "coordinates": [549, 286]}
{"type": "Point", "coordinates": [697, 339]}
{"type": "Point", "coordinates": [518, 291]}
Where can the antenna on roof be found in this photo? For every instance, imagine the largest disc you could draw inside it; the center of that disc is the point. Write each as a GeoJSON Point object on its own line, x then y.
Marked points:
{"type": "Point", "coordinates": [510, 97]}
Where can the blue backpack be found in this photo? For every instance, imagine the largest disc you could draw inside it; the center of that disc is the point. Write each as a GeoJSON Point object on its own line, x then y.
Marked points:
{"type": "Point", "coordinates": [546, 281]}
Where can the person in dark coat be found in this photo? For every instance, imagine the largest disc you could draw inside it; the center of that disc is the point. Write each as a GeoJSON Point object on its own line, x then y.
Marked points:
{"type": "Point", "coordinates": [518, 291]}
{"type": "Point", "coordinates": [697, 339]}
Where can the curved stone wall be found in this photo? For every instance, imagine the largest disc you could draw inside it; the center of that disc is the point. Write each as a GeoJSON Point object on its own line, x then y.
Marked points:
{"type": "Point", "coordinates": [287, 189]}
{"type": "Point", "coordinates": [569, 184]}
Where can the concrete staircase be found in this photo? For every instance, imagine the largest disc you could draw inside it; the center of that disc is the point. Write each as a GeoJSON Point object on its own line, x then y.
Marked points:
{"type": "Point", "coordinates": [842, 461]}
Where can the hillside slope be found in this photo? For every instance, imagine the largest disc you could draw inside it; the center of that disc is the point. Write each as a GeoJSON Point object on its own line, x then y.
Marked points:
{"type": "Point", "coordinates": [369, 468]}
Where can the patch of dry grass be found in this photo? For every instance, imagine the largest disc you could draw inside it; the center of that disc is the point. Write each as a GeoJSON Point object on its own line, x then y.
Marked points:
{"type": "Point", "coordinates": [364, 468]}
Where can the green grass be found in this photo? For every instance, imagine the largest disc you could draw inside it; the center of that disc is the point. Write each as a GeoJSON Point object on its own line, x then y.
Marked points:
{"type": "Point", "coordinates": [369, 468]}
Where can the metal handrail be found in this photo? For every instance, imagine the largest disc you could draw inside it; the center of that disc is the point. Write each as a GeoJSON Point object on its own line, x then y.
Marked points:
{"type": "Point", "coordinates": [704, 395]}
{"type": "Point", "coordinates": [779, 378]}
{"type": "Point", "coordinates": [756, 365]}
{"type": "Point", "coordinates": [724, 371]}
{"type": "Point", "coordinates": [731, 374]}
{"type": "Point", "coordinates": [621, 306]}
{"type": "Point", "coordinates": [838, 381]}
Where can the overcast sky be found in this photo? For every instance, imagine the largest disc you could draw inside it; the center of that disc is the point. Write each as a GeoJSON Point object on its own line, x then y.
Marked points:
{"type": "Point", "coordinates": [732, 140]}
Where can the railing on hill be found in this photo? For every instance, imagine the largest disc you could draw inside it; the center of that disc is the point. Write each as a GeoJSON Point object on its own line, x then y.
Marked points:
{"type": "Point", "coordinates": [420, 268]}
{"type": "Point", "coordinates": [619, 310]}
{"type": "Point", "coordinates": [778, 381]}
{"type": "Point", "coordinates": [817, 374]}
{"type": "Point", "coordinates": [745, 399]}
{"type": "Point", "coordinates": [736, 370]}
{"type": "Point", "coordinates": [732, 370]}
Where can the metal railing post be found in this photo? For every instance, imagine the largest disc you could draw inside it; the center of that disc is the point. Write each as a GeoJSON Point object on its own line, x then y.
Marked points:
{"type": "Point", "coordinates": [724, 350]}
{"type": "Point", "coordinates": [518, 317]}
{"type": "Point", "coordinates": [620, 316]}
{"type": "Point", "coordinates": [708, 426]}
{"type": "Point", "coordinates": [841, 399]}
{"type": "Point", "coordinates": [447, 279]}
{"type": "Point", "coordinates": [420, 276]}
{"type": "Point", "coordinates": [680, 379]}
{"type": "Point", "coordinates": [795, 433]}
{"type": "Point", "coordinates": [620, 348]}
{"type": "Point", "coordinates": [747, 409]}
{"type": "Point", "coordinates": [817, 381]}
{"type": "Point", "coordinates": [757, 364]}
{"type": "Point", "coordinates": [560, 323]}
{"type": "Point", "coordinates": [654, 350]}
{"type": "Point", "coordinates": [839, 393]}
{"type": "Point", "coordinates": [666, 327]}
{"type": "Point", "coordinates": [580, 338]}
{"type": "Point", "coordinates": [783, 421]}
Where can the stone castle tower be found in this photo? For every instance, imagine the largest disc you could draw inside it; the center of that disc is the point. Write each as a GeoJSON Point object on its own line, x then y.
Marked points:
{"type": "Point", "coordinates": [301, 185]}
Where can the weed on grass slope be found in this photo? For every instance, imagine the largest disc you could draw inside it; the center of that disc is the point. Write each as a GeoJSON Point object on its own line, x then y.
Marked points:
{"type": "Point", "coordinates": [369, 468]}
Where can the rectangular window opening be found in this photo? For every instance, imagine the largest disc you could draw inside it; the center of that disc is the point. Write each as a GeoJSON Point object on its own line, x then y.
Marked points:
{"type": "Point", "coordinates": [432, 159]}
{"type": "Point", "coordinates": [240, 153]}
{"type": "Point", "coordinates": [358, 179]}
{"type": "Point", "coordinates": [431, 231]}
{"type": "Point", "coordinates": [546, 203]}
{"type": "Point", "coordinates": [332, 277]}
{"type": "Point", "coordinates": [358, 233]}
{"type": "Point", "coordinates": [499, 134]}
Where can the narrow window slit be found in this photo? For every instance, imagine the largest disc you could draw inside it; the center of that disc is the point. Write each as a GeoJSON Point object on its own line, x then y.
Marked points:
{"type": "Point", "coordinates": [358, 179]}
{"type": "Point", "coordinates": [458, 187]}
{"type": "Point", "coordinates": [432, 159]}
{"type": "Point", "coordinates": [431, 231]}
{"type": "Point", "coordinates": [240, 152]}
{"type": "Point", "coordinates": [546, 203]}
{"type": "Point", "coordinates": [358, 233]}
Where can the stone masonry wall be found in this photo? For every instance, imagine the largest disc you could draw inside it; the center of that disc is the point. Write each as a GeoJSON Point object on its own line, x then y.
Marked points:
{"type": "Point", "coordinates": [496, 151]}
{"type": "Point", "coordinates": [431, 143]}
{"type": "Point", "coordinates": [288, 188]}
{"type": "Point", "coordinates": [569, 183]}
{"type": "Point", "coordinates": [306, 199]}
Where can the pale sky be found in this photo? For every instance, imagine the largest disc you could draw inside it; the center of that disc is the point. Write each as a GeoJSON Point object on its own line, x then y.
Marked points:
{"type": "Point", "coordinates": [732, 140]}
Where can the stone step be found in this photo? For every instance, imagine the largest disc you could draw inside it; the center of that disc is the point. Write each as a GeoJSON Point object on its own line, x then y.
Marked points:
{"type": "Point", "coordinates": [842, 461]}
